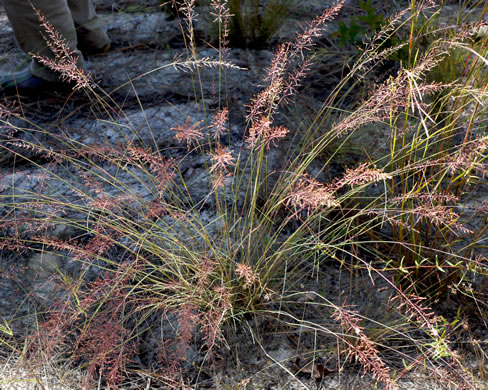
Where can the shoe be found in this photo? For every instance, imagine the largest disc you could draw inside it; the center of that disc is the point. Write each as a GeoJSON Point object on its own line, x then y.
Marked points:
{"type": "Point", "coordinates": [25, 83]}
{"type": "Point", "coordinates": [90, 51]}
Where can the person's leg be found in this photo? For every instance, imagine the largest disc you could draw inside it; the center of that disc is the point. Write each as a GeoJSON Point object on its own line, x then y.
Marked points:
{"type": "Point", "coordinates": [29, 33]}
{"type": "Point", "coordinates": [90, 30]}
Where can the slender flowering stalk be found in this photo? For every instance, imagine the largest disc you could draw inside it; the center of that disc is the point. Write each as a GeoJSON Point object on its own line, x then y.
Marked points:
{"type": "Point", "coordinates": [221, 12]}
{"type": "Point", "coordinates": [304, 40]}
{"type": "Point", "coordinates": [288, 67]}
{"type": "Point", "coordinates": [187, 7]}
{"type": "Point", "coordinates": [204, 62]}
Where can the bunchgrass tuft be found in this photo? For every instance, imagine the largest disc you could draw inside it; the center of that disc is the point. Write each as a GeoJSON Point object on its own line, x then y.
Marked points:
{"type": "Point", "coordinates": [350, 267]}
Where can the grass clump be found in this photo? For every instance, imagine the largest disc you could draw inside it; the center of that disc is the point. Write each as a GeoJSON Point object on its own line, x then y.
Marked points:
{"type": "Point", "coordinates": [154, 263]}
{"type": "Point", "coordinates": [250, 23]}
{"type": "Point", "coordinates": [255, 22]}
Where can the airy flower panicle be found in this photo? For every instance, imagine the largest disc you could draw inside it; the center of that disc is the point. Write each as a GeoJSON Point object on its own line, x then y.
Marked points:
{"type": "Point", "coordinates": [220, 179]}
{"type": "Point", "coordinates": [425, 198]}
{"type": "Point", "coordinates": [263, 134]}
{"type": "Point", "coordinates": [222, 15]}
{"type": "Point", "coordinates": [304, 40]}
{"type": "Point", "coordinates": [187, 7]}
{"type": "Point", "coordinates": [362, 348]}
{"type": "Point", "coordinates": [222, 159]}
{"type": "Point", "coordinates": [440, 216]}
{"type": "Point", "coordinates": [187, 321]}
{"type": "Point", "coordinates": [189, 132]}
{"type": "Point", "coordinates": [309, 194]}
{"type": "Point", "coordinates": [219, 123]}
{"type": "Point", "coordinates": [65, 60]}
{"type": "Point", "coordinates": [212, 320]}
{"type": "Point", "coordinates": [294, 79]}
{"type": "Point", "coordinates": [469, 156]}
{"type": "Point", "coordinates": [362, 175]}
{"type": "Point", "coordinates": [162, 168]}
{"type": "Point", "coordinates": [275, 133]}
{"type": "Point", "coordinates": [266, 102]}
{"type": "Point", "coordinates": [245, 272]}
